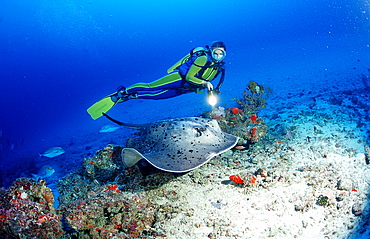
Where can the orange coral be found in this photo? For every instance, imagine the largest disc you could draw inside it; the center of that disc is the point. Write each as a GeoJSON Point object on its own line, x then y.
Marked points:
{"type": "Point", "coordinates": [114, 187]}
{"type": "Point", "coordinates": [254, 179]}
{"type": "Point", "coordinates": [235, 111]}
{"type": "Point", "coordinates": [236, 179]}
{"type": "Point", "coordinates": [253, 117]}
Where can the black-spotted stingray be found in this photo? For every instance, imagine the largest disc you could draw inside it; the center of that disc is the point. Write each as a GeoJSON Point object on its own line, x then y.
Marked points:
{"type": "Point", "coordinates": [176, 145]}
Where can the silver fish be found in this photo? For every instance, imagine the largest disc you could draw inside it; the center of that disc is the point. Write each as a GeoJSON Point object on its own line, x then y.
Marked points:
{"type": "Point", "coordinates": [108, 128]}
{"type": "Point", "coordinates": [53, 152]}
{"type": "Point", "coordinates": [44, 172]}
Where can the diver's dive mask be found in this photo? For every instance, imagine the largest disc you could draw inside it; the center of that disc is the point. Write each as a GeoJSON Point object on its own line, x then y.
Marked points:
{"type": "Point", "coordinates": [218, 54]}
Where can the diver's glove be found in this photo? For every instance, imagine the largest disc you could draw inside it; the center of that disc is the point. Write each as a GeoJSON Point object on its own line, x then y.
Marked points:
{"type": "Point", "coordinates": [208, 85]}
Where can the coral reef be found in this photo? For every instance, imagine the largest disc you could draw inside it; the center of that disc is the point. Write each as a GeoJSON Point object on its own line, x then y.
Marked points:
{"type": "Point", "coordinates": [74, 186]}
{"type": "Point", "coordinates": [107, 211]}
{"type": "Point", "coordinates": [27, 211]}
{"type": "Point", "coordinates": [101, 199]}
{"type": "Point", "coordinates": [254, 97]}
{"type": "Point", "coordinates": [98, 200]}
{"type": "Point", "coordinates": [105, 165]}
{"type": "Point", "coordinates": [250, 128]}
{"type": "Point", "coordinates": [90, 176]}
{"type": "Point", "coordinates": [244, 121]}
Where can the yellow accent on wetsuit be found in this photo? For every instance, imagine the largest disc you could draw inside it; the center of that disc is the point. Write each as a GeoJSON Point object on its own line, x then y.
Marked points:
{"type": "Point", "coordinates": [175, 76]}
{"type": "Point", "coordinates": [209, 73]}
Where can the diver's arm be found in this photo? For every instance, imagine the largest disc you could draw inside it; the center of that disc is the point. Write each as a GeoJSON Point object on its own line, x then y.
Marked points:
{"type": "Point", "coordinates": [194, 69]}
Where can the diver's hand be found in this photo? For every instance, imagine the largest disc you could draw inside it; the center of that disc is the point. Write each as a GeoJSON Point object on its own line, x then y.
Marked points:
{"type": "Point", "coordinates": [208, 85]}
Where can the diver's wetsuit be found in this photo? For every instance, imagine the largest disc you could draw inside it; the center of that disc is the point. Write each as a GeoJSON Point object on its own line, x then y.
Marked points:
{"type": "Point", "coordinates": [166, 87]}
{"type": "Point", "coordinates": [175, 84]}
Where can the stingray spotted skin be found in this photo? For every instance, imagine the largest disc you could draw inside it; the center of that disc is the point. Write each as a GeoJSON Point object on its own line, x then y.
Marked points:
{"type": "Point", "coordinates": [178, 145]}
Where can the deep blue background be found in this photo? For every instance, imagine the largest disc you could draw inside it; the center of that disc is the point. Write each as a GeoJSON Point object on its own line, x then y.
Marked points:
{"type": "Point", "coordinates": [59, 57]}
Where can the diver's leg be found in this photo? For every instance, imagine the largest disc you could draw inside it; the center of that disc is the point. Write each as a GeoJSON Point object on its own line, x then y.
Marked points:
{"type": "Point", "coordinates": [171, 81]}
{"type": "Point", "coordinates": [159, 95]}
{"type": "Point", "coordinates": [162, 88]}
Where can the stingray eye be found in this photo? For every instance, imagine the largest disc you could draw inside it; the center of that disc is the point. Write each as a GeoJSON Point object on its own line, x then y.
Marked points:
{"type": "Point", "coordinates": [199, 131]}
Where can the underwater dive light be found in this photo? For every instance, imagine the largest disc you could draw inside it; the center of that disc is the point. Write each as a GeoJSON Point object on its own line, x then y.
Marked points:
{"type": "Point", "coordinates": [212, 98]}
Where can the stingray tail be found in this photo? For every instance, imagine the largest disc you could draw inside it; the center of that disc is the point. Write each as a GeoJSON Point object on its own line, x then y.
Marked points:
{"type": "Point", "coordinates": [133, 126]}
{"type": "Point", "coordinates": [130, 157]}
{"type": "Point", "coordinates": [113, 120]}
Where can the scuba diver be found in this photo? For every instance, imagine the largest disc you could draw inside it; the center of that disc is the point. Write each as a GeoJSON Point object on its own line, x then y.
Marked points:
{"type": "Point", "coordinates": [193, 73]}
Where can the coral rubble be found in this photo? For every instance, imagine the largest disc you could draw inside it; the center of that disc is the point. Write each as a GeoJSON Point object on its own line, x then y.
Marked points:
{"type": "Point", "coordinates": [107, 211]}
{"type": "Point", "coordinates": [27, 211]}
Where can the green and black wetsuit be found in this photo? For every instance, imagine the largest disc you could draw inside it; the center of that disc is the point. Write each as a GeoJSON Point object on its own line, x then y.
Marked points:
{"type": "Point", "coordinates": [181, 78]}
{"type": "Point", "coordinates": [190, 74]}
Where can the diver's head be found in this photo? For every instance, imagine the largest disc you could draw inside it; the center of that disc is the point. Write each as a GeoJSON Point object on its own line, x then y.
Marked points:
{"type": "Point", "coordinates": [218, 51]}
{"type": "Point", "coordinates": [218, 44]}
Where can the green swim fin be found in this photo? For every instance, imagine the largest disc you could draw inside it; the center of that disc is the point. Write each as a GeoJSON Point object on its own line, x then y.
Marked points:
{"type": "Point", "coordinates": [102, 106]}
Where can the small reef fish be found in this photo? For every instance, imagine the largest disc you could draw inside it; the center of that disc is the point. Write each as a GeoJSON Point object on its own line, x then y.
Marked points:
{"type": "Point", "coordinates": [44, 172]}
{"type": "Point", "coordinates": [53, 152]}
{"type": "Point", "coordinates": [108, 128]}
